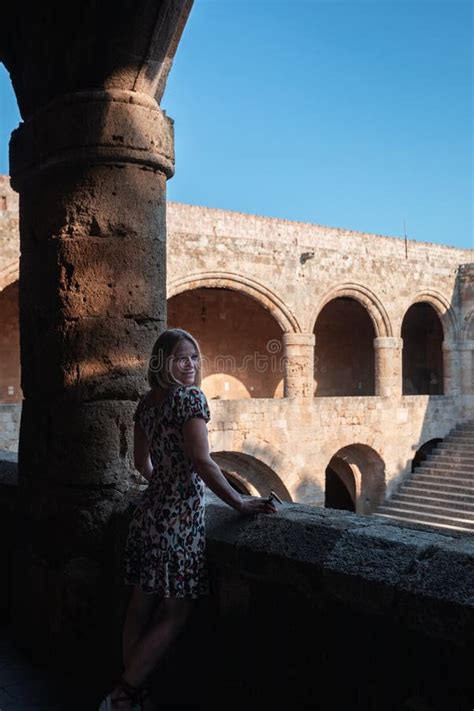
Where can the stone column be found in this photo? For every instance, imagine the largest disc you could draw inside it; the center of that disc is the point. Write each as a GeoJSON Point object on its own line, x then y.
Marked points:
{"type": "Point", "coordinates": [466, 346]}
{"type": "Point", "coordinates": [451, 369]}
{"type": "Point", "coordinates": [388, 366]}
{"type": "Point", "coordinates": [91, 170]}
{"type": "Point", "coordinates": [466, 349]}
{"type": "Point", "coordinates": [299, 364]}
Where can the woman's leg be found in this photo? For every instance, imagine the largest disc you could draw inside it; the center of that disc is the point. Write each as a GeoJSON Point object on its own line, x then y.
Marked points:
{"type": "Point", "coordinates": [144, 651]}
{"type": "Point", "coordinates": [169, 619]}
{"type": "Point", "coordinates": [139, 614]}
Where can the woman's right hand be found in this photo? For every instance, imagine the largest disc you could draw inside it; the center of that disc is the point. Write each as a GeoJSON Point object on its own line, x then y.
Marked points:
{"type": "Point", "coordinates": [256, 504]}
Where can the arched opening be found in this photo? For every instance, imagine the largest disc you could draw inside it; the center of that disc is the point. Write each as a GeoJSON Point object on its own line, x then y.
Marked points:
{"type": "Point", "coordinates": [340, 491]}
{"type": "Point", "coordinates": [10, 377]}
{"type": "Point", "coordinates": [249, 475]}
{"type": "Point", "coordinates": [240, 340]}
{"type": "Point", "coordinates": [355, 479]}
{"type": "Point", "coordinates": [237, 482]}
{"type": "Point", "coordinates": [422, 453]}
{"type": "Point", "coordinates": [422, 334]}
{"type": "Point", "coordinates": [10, 387]}
{"type": "Point", "coordinates": [344, 362]}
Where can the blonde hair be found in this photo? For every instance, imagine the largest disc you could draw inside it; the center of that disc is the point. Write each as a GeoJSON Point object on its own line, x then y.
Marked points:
{"type": "Point", "coordinates": [159, 366]}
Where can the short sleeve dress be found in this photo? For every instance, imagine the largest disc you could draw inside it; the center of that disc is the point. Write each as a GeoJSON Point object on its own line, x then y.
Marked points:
{"type": "Point", "coordinates": [165, 549]}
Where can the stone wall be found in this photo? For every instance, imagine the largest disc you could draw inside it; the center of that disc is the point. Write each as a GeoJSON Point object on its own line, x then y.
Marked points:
{"type": "Point", "coordinates": [296, 439]}
{"type": "Point", "coordinates": [315, 605]}
{"type": "Point", "coordinates": [259, 292]}
{"type": "Point", "coordinates": [9, 426]}
{"type": "Point", "coordinates": [9, 242]}
{"type": "Point", "coordinates": [269, 257]}
{"type": "Point", "coordinates": [10, 385]}
{"type": "Point", "coordinates": [306, 605]}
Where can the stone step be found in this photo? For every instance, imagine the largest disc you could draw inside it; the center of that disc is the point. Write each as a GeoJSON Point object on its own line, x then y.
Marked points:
{"type": "Point", "coordinates": [440, 492]}
{"type": "Point", "coordinates": [465, 504]}
{"type": "Point", "coordinates": [441, 495]}
{"type": "Point", "coordinates": [431, 506]}
{"type": "Point", "coordinates": [453, 474]}
{"type": "Point", "coordinates": [460, 438]}
{"type": "Point", "coordinates": [455, 447]}
{"type": "Point", "coordinates": [439, 484]}
{"type": "Point", "coordinates": [452, 452]}
{"type": "Point", "coordinates": [413, 519]}
{"type": "Point", "coordinates": [464, 426]}
{"type": "Point", "coordinates": [436, 518]}
{"type": "Point", "coordinates": [451, 457]}
{"type": "Point", "coordinates": [455, 466]}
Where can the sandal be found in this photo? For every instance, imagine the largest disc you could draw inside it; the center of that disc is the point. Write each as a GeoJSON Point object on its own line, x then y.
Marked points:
{"type": "Point", "coordinates": [133, 694]}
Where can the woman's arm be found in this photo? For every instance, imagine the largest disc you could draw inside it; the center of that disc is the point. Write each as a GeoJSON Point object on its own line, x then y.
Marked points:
{"type": "Point", "coordinates": [196, 446]}
{"type": "Point", "coordinates": [141, 452]}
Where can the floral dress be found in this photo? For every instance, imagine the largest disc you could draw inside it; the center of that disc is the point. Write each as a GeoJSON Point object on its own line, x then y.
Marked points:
{"type": "Point", "coordinates": [165, 549]}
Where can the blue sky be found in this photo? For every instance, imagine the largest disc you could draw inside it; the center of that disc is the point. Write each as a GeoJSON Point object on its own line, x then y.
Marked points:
{"type": "Point", "coordinates": [354, 114]}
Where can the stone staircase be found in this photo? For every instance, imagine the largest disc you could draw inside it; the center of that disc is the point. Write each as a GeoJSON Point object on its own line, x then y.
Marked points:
{"type": "Point", "coordinates": [440, 492]}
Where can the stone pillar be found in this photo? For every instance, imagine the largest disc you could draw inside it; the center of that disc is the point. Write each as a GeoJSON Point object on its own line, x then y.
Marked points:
{"type": "Point", "coordinates": [388, 366]}
{"type": "Point", "coordinates": [299, 364]}
{"type": "Point", "coordinates": [91, 170]}
{"type": "Point", "coordinates": [467, 367]}
{"type": "Point", "coordinates": [466, 346]}
{"type": "Point", "coordinates": [451, 369]}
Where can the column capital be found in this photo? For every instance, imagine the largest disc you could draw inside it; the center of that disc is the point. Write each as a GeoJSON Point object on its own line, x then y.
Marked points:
{"type": "Point", "coordinates": [388, 342]}
{"type": "Point", "coordinates": [467, 345]}
{"type": "Point", "coordinates": [450, 346]}
{"type": "Point", "coordinates": [93, 127]}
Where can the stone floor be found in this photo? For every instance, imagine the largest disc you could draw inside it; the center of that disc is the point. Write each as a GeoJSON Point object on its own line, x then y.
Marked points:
{"type": "Point", "coordinates": [27, 686]}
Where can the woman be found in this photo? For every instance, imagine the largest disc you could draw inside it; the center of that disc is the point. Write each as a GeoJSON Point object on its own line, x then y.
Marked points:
{"type": "Point", "coordinates": [165, 551]}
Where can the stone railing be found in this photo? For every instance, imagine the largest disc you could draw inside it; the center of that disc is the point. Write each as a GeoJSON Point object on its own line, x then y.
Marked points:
{"type": "Point", "coordinates": [310, 605]}
{"type": "Point", "coordinates": [336, 610]}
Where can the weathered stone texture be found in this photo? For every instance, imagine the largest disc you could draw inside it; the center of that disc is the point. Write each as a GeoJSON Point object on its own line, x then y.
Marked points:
{"type": "Point", "coordinates": [293, 270]}
{"type": "Point", "coordinates": [9, 242]}
{"type": "Point", "coordinates": [253, 287]}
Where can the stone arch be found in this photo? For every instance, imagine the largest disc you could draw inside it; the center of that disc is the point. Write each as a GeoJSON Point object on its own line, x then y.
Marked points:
{"type": "Point", "coordinates": [250, 475]}
{"type": "Point", "coordinates": [424, 451]}
{"type": "Point", "coordinates": [344, 353]}
{"type": "Point", "coordinates": [239, 389]}
{"type": "Point", "coordinates": [443, 309]}
{"type": "Point", "coordinates": [242, 343]}
{"type": "Point", "coordinates": [364, 296]}
{"type": "Point", "coordinates": [364, 464]}
{"type": "Point", "coordinates": [9, 274]}
{"type": "Point", "coordinates": [227, 280]}
{"type": "Point", "coordinates": [275, 467]}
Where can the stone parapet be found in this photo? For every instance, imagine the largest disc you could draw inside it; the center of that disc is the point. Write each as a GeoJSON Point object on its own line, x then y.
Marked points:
{"type": "Point", "coordinates": [421, 579]}
{"type": "Point", "coordinates": [320, 593]}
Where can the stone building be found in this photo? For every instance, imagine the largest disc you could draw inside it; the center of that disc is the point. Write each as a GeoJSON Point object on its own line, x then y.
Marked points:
{"type": "Point", "coordinates": [311, 395]}
{"type": "Point", "coordinates": [331, 358]}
